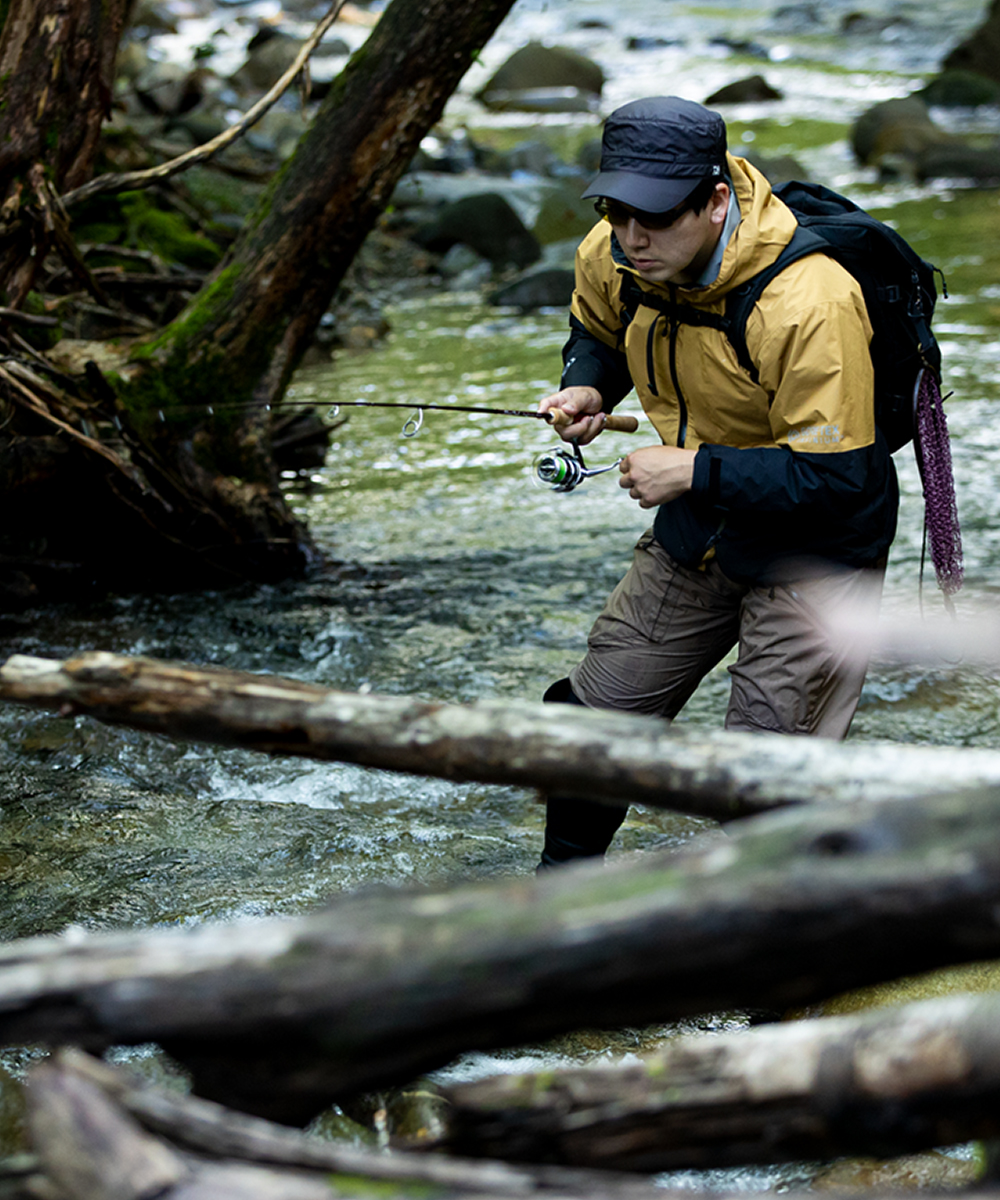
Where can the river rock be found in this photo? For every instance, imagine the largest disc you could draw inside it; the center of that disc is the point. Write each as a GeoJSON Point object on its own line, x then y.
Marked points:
{"type": "Point", "coordinates": [168, 89]}
{"type": "Point", "coordinates": [895, 134]}
{"type": "Point", "coordinates": [549, 287]}
{"type": "Point", "coordinates": [862, 24]}
{"type": "Point", "coordinates": [959, 161]}
{"type": "Point", "coordinates": [485, 223]}
{"type": "Point", "coordinates": [650, 43]}
{"type": "Point", "coordinates": [960, 89]}
{"type": "Point", "coordinates": [431, 189]}
{"type": "Point", "coordinates": [745, 91]}
{"type": "Point", "coordinates": [778, 168]}
{"type": "Point", "coordinates": [980, 52]}
{"type": "Point", "coordinates": [539, 78]}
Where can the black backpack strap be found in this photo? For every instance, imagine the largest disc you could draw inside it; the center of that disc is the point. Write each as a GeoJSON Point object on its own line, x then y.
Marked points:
{"type": "Point", "coordinates": [740, 301]}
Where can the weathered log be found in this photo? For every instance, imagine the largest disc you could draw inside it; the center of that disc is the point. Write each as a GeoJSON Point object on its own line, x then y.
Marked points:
{"type": "Point", "coordinates": [606, 756]}
{"type": "Point", "coordinates": [281, 1017]}
{"type": "Point", "coordinates": [886, 1083]}
{"type": "Point", "coordinates": [74, 1099]}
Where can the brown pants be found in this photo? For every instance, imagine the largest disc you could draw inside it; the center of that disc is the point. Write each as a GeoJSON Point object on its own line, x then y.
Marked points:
{"type": "Point", "coordinates": [666, 626]}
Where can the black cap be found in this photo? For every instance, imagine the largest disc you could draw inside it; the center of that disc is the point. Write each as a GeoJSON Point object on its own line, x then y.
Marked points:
{"type": "Point", "coordinates": [656, 151]}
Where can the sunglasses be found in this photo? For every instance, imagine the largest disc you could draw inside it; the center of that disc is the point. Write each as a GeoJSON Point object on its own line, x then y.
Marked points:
{"type": "Point", "coordinates": [621, 214]}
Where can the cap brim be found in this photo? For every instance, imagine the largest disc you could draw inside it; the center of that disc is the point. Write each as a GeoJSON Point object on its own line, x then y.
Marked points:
{"type": "Point", "coordinates": [641, 191]}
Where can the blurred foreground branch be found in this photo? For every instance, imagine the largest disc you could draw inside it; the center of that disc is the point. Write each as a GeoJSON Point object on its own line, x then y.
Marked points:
{"type": "Point", "coordinates": [284, 1016]}
{"type": "Point", "coordinates": [613, 757]}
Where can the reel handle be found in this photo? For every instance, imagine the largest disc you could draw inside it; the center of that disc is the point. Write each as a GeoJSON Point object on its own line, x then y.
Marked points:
{"type": "Point", "coordinates": [617, 422]}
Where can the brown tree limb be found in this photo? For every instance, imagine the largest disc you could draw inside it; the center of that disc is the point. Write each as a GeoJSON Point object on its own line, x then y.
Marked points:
{"type": "Point", "coordinates": [884, 1083]}
{"type": "Point", "coordinates": [127, 180]}
{"type": "Point", "coordinates": [613, 757]}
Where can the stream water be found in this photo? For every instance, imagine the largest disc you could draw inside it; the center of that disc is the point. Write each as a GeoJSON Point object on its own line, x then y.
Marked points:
{"type": "Point", "coordinates": [450, 576]}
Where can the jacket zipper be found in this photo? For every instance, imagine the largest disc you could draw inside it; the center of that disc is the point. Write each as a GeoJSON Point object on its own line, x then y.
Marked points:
{"type": "Point", "coordinates": [682, 412]}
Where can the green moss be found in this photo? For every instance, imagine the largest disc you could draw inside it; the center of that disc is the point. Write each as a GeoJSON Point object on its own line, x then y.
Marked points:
{"type": "Point", "coordinates": [361, 1185]}
{"type": "Point", "coordinates": [165, 233]}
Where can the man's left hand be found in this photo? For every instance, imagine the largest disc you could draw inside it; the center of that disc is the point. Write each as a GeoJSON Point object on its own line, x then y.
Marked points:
{"type": "Point", "coordinates": [656, 474]}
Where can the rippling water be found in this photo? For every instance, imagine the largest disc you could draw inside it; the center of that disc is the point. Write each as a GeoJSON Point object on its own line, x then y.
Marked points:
{"type": "Point", "coordinates": [450, 576]}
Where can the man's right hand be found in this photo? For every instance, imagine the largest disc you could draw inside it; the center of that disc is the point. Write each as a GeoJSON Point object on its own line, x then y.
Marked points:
{"type": "Point", "coordinates": [584, 403]}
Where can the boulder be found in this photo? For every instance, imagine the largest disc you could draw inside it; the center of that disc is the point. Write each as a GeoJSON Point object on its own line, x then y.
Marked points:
{"type": "Point", "coordinates": [960, 89]}
{"type": "Point", "coordinates": [539, 78]}
{"type": "Point", "coordinates": [895, 134]}
{"type": "Point", "coordinates": [485, 223]}
{"type": "Point", "coordinates": [550, 287]}
{"type": "Point", "coordinates": [745, 91]}
{"type": "Point", "coordinates": [980, 52]}
{"type": "Point", "coordinates": [778, 168]}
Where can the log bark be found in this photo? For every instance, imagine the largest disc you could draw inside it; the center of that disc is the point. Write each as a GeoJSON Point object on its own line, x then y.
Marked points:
{"type": "Point", "coordinates": [77, 1105]}
{"type": "Point", "coordinates": [605, 756]}
{"type": "Point", "coordinates": [57, 62]}
{"type": "Point", "coordinates": [282, 1017]}
{"type": "Point", "coordinates": [884, 1084]}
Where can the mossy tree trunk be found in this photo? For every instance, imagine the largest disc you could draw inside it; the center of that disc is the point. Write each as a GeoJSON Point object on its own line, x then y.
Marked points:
{"type": "Point", "coordinates": [181, 489]}
{"type": "Point", "coordinates": [57, 62]}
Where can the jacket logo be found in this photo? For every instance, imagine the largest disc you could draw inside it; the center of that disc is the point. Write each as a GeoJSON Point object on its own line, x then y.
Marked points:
{"type": "Point", "coordinates": [817, 435]}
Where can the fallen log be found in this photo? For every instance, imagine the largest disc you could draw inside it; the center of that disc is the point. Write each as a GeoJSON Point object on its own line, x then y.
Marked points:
{"type": "Point", "coordinates": [99, 1134]}
{"type": "Point", "coordinates": [606, 756]}
{"type": "Point", "coordinates": [282, 1017]}
{"type": "Point", "coordinates": [884, 1084]}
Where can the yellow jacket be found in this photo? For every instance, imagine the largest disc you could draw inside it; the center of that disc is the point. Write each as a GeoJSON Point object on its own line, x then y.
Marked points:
{"type": "Point", "coordinates": [798, 443]}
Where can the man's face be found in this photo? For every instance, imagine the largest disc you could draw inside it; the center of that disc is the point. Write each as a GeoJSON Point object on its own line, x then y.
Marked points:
{"type": "Point", "coordinates": [677, 253]}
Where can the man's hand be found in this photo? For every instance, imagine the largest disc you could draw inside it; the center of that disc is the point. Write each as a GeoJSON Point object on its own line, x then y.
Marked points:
{"type": "Point", "coordinates": [583, 403]}
{"type": "Point", "coordinates": [656, 474]}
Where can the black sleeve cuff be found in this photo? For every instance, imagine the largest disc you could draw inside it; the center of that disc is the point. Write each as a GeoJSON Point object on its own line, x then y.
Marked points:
{"type": "Point", "coordinates": [588, 362]}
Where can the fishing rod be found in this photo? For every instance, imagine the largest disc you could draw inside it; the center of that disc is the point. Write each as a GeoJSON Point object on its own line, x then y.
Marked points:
{"type": "Point", "coordinates": [560, 469]}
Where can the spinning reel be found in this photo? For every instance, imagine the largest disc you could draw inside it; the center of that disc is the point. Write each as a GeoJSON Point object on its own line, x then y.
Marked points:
{"type": "Point", "coordinates": [562, 470]}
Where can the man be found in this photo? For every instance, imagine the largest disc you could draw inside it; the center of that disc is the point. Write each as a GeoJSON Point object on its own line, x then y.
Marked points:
{"type": "Point", "coordinates": [775, 496]}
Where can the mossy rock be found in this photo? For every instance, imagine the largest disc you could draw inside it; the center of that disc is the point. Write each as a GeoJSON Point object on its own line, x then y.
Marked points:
{"type": "Point", "coordinates": [564, 215]}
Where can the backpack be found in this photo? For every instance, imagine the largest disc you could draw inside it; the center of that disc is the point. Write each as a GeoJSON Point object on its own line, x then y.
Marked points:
{"type": "Point", "coordinates": [897, 284]}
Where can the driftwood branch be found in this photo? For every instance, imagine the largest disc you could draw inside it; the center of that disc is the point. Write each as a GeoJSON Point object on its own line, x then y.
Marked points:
{"type": "Point", "coordinates": [281, 1017]}
{"type": "Point", "coordinates": [885, 1083]}
{"type": "Point", "coordinates": [613, 757]}
{"type": "Point", "coordinates": [127, 180]}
